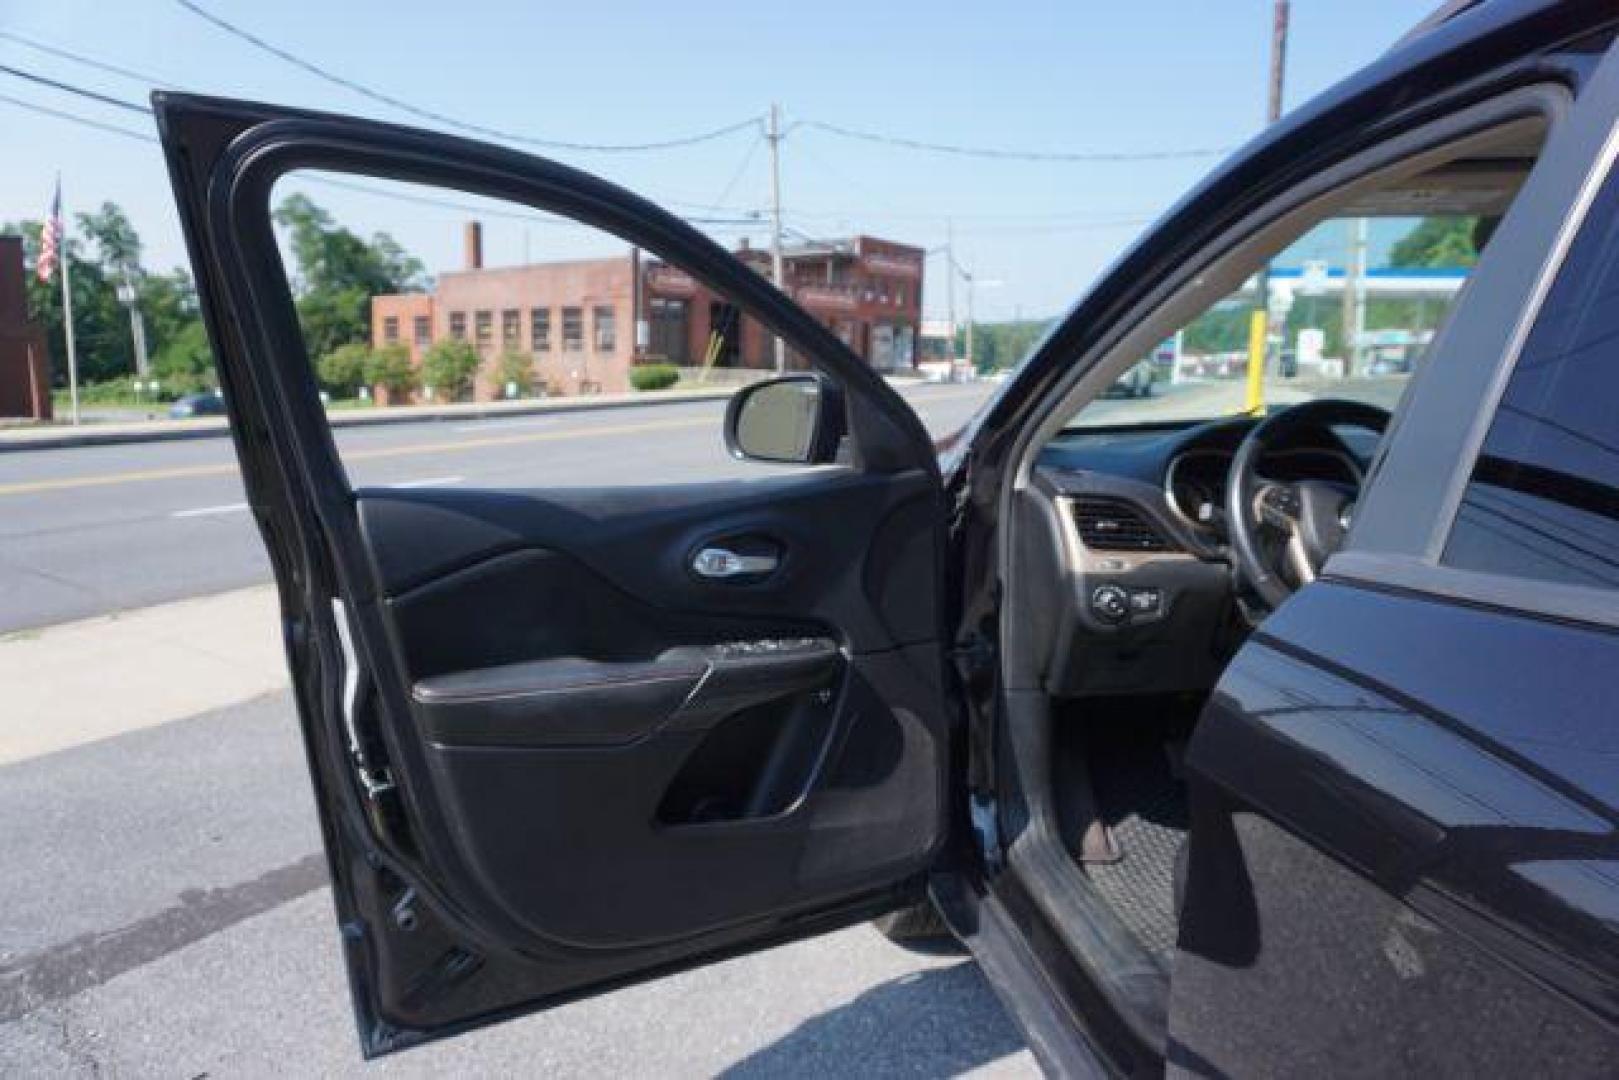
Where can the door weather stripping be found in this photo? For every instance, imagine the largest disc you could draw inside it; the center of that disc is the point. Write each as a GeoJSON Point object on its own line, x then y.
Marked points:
{"type": "Point", "coordinates": [374, 781]}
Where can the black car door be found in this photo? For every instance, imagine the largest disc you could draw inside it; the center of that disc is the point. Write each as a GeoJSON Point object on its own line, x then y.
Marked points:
{"type": "Point", "coordinates": [564, 739]}
{"type": "Point", "coordinates": [1404, 857]}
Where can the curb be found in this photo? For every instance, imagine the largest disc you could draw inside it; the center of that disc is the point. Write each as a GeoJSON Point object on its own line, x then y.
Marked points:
{"type": "Point", "coordinates": [218, 427]}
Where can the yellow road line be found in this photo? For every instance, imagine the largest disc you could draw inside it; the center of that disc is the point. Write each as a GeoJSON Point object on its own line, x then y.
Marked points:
{"type": "Point", "coordinates": [135, 476]}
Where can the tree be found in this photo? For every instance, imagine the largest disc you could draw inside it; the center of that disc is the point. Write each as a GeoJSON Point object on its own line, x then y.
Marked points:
{"type": "Point", "coordinates": [185, 363]}
{"type": "Point", "coordinates": [516, 368]}
{"type": "Point", "coordinates": [168, 302]}
{"type": "Point", "coordinates": [1437, 242]}
{"type": "Point", "coordinates": [338, 273]}
{"type": "Point", "coordinates": [391, 369]}
{"type": "Point", "coordinates": [100, 325]}
{"type": "Point", "coordinates": [117, 244]}
{"type": "Point", "coordinates": [343, 370]}
{"type": "Point", "coordinates": [448, 367]}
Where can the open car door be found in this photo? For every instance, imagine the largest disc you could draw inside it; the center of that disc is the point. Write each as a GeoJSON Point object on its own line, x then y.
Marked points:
{"type": "Point", "coordinates": [566, 739]}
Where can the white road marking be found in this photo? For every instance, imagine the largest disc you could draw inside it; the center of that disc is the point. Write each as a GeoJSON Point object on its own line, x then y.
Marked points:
{"type": "Point", "coordinates": [433, 481]}
{"type": "Point", "coordinates": [206, 511]}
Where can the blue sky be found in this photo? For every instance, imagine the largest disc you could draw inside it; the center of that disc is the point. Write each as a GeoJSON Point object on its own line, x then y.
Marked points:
{"type": "Point", "coordinates": [1077, 76]}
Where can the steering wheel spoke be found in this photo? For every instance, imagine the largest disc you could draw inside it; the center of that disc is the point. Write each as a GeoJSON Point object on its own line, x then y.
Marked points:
{"type": "Point", "coordinates": [1278, 506]}
{"type": "Point", "coordinates": [1282, 533]}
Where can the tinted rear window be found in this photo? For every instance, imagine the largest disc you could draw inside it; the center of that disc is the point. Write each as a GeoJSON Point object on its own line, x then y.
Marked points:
{"type": "Point", "coordinates": [1543, 500]}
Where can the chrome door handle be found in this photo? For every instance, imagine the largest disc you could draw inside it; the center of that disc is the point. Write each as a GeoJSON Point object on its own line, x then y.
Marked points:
{"type": "Point", "coordinates": [717, 562]}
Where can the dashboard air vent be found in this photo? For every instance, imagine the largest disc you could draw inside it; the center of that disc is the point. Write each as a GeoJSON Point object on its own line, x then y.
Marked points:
{"type": "Point", "coordinates": [1107, 524]}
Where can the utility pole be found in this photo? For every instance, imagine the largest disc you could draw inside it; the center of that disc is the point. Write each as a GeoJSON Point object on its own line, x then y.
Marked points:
{"type": "Point", "coordinates": [971, 363]}
{"type": "Point", "coordinates": [1259, 331]}
{"type": "Point", "coordinates": [129, 296]}
{"type": "Point", "coordinates": [1354, 300]}
{"type": "Point", "coordinates": [1278, 60]}
{"type": "Point", "coordinates": [773, 135]}
{"type": "Point", "coordinates": [950, 281]}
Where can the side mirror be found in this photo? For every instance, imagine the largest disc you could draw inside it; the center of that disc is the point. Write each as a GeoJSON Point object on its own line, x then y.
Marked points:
{"type": "Point", "coordinates": [796, 419]}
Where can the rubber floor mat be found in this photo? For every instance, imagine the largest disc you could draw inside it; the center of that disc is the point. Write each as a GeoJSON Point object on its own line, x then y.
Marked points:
{"type": "Point", "coordinates": [1145, 805]}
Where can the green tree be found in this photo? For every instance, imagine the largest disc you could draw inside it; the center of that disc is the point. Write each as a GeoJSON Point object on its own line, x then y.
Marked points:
{"type": "Point", "coordinates": [448, 367]}
{"type": "Point", "coordinates": [100, 324]}
{"type": "Point", "coordinates": [1437, 242]}
{"type": "Point", "coordinates": [338, 272]}
{"type": "Point", "coordinates": [185, 363]}
{"type": "Point", "coordinates": [117, 244]}
{"type": "Point", "coordinates": [343, 370]}
{"type": "Point", "coordinates": [516, 367]}
{"type": "Point", "coordinates": [103, 251]}
{"type": "Point", "coordinates": [391, 369]}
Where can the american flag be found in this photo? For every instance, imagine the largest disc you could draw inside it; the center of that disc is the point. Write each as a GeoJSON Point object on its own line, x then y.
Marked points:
{"type": "Point", "coordinates": [50, 239]}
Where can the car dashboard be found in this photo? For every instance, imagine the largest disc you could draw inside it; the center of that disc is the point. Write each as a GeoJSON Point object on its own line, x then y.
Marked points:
{"type": "Point", "coordinates": [1135, 553]}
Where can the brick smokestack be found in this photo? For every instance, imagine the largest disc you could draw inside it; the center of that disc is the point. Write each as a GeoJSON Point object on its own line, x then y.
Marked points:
{"type": "Point", "coordinates": [474, 246]}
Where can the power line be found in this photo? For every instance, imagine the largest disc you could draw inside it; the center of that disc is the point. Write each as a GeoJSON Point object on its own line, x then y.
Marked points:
{"type": "Point", "coordinates": [747, 159]}
{"type": "Point", "coordinates": [1004, 154]}
{"type": "Point", "coordinates": [58, 114]}
{"type": "Point", "coordinates": [443, 118]}
{"type": "Point", "coordinates": [107, 66]}
{"type": "Point", "coordinates": [69, 88]}
{"type": "Point", "coordinates": [527, 217]}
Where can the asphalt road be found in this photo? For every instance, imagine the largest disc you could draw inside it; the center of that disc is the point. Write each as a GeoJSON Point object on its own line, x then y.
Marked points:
{"type": "Point", "coordinates": [163, 912]}
{"type": "Point", "coordinates": [163, 905]}
{"type": "Point", "coordinates": [88, 530]}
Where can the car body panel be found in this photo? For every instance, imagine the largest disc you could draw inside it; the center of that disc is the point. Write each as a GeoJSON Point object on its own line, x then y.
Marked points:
{"type": "Point", "coordinates": [1404, 849]}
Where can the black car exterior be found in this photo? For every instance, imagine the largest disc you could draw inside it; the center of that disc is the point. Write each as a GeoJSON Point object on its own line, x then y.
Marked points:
{"type": "Point", "coordinates": [1402, 857]}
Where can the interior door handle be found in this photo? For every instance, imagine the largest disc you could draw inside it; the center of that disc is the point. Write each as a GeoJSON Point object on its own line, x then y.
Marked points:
{"type": "Point", "coordinates": [718, 562]}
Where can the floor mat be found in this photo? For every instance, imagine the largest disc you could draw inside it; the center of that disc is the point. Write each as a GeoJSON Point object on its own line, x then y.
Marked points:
{"type": "Point", "coordinates": [1145, 805]}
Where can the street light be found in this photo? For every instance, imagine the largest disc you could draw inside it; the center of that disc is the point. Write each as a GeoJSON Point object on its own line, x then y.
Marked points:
{"type": "Point", "coordinates": [128, 297]}
{"type": "Point", "coordinates": [973, 284]}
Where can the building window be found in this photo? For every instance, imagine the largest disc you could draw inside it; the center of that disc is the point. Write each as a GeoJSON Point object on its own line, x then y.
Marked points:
{"type": "Point", "coordinates": [511, 328]}
{"type": "Point", "coordinates": [390, 329]}
{"type": "Point", "coordinates": [483, 328]}
{"type": "Point", "coordinates": [606, 321]}
{"type": "Point", "coordinates": [422, 329]}
{"type": "Point", "coordinates": [539, 329]}
{"type": "Point", "coordinates": [458, 325]}
{"type": "Point", "coordinates": [573, 329]}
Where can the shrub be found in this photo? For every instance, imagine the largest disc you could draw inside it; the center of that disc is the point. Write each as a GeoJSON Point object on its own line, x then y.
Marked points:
{"type": "Point", "coordinates": [343, 370]}
{"type": "Point", "coordinates": [390, 368]}
{"type": "Point", "coordinates": [185, 364]}
{"type": "Point", "coordinates": [516, 367]}
{"type": "Point", "coordinates": [654, 376]}
{"type": "Point", "coordinates": [448, 367]}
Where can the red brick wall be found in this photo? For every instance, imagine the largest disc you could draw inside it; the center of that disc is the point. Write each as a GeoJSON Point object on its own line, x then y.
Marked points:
{"type": "Point", "coordinates": [25, 388]}
{"type": "Point", "coordinates": [585, 284]}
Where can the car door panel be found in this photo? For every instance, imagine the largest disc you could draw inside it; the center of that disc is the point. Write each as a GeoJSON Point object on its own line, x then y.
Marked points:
{"type": "Point", "coordinates": [721, 771]}
{"type": "Point", "coordinates": [549, 756]}
{"type": "Point", "coordinates": [1387, 794]}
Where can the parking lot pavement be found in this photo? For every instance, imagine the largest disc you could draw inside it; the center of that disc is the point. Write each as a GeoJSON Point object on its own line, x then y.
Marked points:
{"type": "Point", "coordinates": [268, 998]}
{"type": "Point", "coordinates": [163, 912]}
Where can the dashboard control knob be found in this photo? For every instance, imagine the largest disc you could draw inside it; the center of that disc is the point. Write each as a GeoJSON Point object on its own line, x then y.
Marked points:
{"type": "Point", "coordinates": [1110, 603]}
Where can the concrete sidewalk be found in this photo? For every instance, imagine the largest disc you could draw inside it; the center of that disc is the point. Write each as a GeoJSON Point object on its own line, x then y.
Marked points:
{"type": "Point", "coordinates": [79, 682]}
{"type": "Point", "coordinates": [98, 434]}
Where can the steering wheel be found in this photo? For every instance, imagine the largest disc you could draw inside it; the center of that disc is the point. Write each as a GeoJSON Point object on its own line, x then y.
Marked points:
{"type": "Point", "coordinates": [1281, 533]}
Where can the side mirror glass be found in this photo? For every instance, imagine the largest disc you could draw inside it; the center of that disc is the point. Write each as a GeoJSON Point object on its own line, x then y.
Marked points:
{"type": "Point", "coordinates": [793, 419]}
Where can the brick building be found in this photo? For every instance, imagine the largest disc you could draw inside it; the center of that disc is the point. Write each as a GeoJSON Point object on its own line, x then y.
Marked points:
{"type": "Point", "coordinates": [25, 385]}
{"type": "Point", "coordinates": [578, 319]}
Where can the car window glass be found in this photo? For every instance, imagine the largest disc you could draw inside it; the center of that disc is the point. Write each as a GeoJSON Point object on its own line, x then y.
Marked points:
{"type": "Point", "coordinates": [1351, 308]}
{"type": "Point", "coordinates": [1543, 498]}
{"type": "Point", "coordinates": [504, 334]}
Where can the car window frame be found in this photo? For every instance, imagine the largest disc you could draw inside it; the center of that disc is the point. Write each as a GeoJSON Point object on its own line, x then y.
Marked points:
{"type": "Point", "coordinates": [1401, 529]}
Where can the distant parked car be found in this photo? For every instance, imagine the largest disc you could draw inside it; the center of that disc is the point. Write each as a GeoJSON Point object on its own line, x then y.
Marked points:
{"type": "Point", "coordinates": [1135, 383]}
{"type": "Point", "coordinates": [207, 403]}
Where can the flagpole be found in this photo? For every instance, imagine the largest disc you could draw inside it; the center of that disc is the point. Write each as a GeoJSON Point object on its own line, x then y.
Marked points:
{"type": "Point", "coordinates": [67, 317]}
